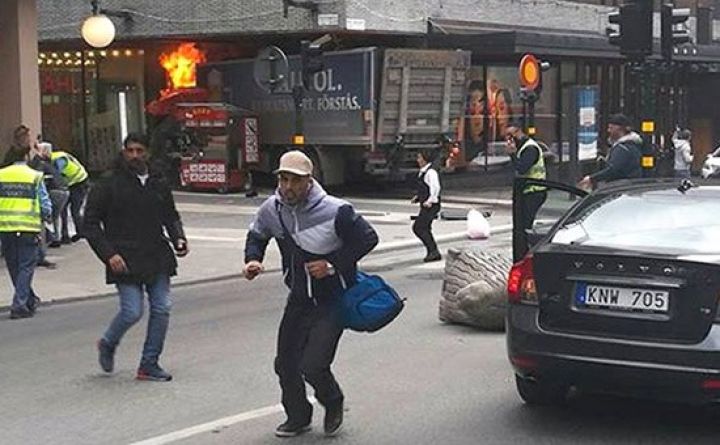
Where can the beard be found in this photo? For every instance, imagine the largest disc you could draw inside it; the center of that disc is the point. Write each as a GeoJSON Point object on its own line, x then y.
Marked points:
{"type": "Point", "coordinates": [137, 166]}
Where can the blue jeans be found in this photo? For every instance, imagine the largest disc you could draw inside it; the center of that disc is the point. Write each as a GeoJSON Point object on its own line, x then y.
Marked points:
{"type": "Point", "coordinates": [131, 311]}
{"type": "Point", "coordinates": [21, 255]}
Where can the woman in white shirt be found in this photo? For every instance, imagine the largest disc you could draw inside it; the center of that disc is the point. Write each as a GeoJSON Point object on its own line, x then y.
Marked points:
{"type": "Point", "coordinates": [428, 196]}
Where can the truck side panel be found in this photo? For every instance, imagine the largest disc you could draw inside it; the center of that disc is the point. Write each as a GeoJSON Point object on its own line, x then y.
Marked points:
{"type": "Point", "coordinates": [338, 108]}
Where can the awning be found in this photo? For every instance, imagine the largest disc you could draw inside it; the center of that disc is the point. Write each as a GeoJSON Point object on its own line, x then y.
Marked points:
{"type": "Point", "coordinates": [491, 39]}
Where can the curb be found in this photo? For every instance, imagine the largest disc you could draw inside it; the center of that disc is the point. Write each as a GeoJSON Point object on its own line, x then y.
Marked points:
{"type": "Point", "coordinates": [381, 249]}
{"type": "Point", "coordinates": [505, 203]}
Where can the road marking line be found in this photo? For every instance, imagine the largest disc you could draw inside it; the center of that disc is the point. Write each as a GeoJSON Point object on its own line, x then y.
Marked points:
{"type": "Point", "coordinates": [211, 426]}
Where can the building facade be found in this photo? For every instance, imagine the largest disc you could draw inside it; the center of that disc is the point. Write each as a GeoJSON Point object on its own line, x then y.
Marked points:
{"type": "Point", "coordinates": [91, 98]}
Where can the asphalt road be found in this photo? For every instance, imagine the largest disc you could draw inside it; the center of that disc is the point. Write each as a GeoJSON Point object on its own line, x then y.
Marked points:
{"type": "Point", "coordinates": [416, 382]}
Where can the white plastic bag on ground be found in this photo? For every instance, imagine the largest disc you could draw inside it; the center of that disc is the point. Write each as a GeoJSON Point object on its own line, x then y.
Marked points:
{"type": "Point", "coordinates": [477, 226]}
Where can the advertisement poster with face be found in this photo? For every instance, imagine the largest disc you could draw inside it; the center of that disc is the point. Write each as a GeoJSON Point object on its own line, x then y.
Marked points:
{"type": "Point", "coordinates": [490, 106]}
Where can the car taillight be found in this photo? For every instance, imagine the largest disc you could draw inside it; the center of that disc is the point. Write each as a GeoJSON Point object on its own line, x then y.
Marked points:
{"type": "Point", "coordinates": [521, 282]}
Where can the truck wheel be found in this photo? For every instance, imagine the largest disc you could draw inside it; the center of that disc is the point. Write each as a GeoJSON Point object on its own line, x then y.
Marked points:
{"type": "Point", "coordinates": [541, 393]}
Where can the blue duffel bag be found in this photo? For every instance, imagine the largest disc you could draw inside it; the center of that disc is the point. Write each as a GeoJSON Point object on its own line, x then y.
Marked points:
{"type": "Point", "coordinates": [370, 304]}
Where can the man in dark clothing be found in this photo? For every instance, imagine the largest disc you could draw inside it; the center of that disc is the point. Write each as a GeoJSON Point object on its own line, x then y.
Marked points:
{"type": "Point", "coordinates": [528, 162]}
{"type": "Point", "coordinates": [321, 239]}
{"type": "Point", "coordinates": [624, 157]}
{"type": "Point", "coordinates": [58, 196]}
{"type": "Point", "coordinates": [428, 196]}
{"type": "Point", "coordinates": [124, 222]}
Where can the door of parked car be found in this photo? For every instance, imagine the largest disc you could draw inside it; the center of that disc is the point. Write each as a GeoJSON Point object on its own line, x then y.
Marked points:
{"type": "Point", "coordinates": [537, 206]}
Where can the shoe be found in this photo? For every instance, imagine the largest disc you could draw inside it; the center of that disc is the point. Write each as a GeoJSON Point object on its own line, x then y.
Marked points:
{"type": "Point", "coordinates": [75, 238]}
{"type": "Point", "coordinates": [291, 428]}
{"type": "Point", "coordinates": [54, 244]}
{"type": "Point", "coordinates": [19, 314]}
{"type": "Point", "coordinates": [33, 304]}
{"type": "Point", "coordinates": [106, 355]}
{"type": "Point", "coordinates": [431, 257]}
{"type": "Point", "coordinates": [152, 372]}
{"type": "Point", "coordinates": [333, 419]}
{"type": "Point", "coordinates": [47, 264]}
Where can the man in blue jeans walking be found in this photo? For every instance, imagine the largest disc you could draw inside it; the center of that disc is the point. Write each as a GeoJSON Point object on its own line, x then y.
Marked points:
{"type": "Point", "coordinates": [126, 218]}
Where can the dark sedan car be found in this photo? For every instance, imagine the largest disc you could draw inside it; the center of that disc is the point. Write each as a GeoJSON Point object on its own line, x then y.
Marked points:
{"type": "Point", "coordinates": [617, 294]}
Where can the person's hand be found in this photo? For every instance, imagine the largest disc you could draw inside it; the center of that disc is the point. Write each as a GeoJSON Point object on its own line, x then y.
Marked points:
{"type": "Point", "coordinates": [318, 269]}
{"type": "Point", "coordinates": [117, 264]}
{"type": "Point", "coordinates": [427, 204]}
{"type": "Point", "coordinates": [253, 269]}
{"type": "Point", "coordinates": [181, 248]}
{"type": "Point", "coordinates": [510, 147]}
{"type": "Point", "coordinates": [585, 183]}
{"type": "Point", "coordinates": [414, 200]}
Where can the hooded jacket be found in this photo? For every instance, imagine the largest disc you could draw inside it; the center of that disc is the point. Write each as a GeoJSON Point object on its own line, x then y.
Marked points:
{"type": "Point", "coordinates": [320, 227]}
{"type": "Point", "coordinates": [683, 154]}
{"type": "Point", "coordinates": [624, 160]}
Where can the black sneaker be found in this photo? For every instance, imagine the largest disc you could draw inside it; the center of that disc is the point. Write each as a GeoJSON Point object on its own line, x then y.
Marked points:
{"type": "Point", "coordinates": [54, 244]}
{"type": "Point", "coordinates": [152, 372]}
{"type": "Point", "coordinates": [291, 428]}
{"type": "Point", "coordinates": [431, 257]}
{"type": "Point", "coordinates": [33, 304]}
{"type": "Point", "coordinates": [47, 264]}
{"type": "Point", "coordinates": [75, 238]}
{"type": "Point", "coordinates": [333, 419]}
{"type": "Point", "coordinates": [106, 355]}
{"type": "Point", "coordinates": [20, 314]}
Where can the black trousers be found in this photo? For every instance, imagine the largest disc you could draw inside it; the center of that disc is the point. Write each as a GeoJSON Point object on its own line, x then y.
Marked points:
{"type": "Point", "coordinates": [307, 342]}
{"type": "Point", "coordinates": [532, 203]}
{"type": "Point", "coordinates": [422, 227]}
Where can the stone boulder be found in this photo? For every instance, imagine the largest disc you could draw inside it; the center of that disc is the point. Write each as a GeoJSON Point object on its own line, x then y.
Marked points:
{"type": "Point", "coordinates": [474, 288]}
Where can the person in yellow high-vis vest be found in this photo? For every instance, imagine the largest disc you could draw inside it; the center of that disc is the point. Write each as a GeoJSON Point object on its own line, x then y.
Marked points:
{"type": "Point", "coordinates": [528, 162]}
{"type": "Point", "coordinates": [24, 204]}
{"type": "Point", "coordinates": [76, 178]}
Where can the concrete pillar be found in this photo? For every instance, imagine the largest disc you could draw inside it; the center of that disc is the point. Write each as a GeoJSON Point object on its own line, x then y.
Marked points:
{"type": "Point", "coordinates": [19, 78]}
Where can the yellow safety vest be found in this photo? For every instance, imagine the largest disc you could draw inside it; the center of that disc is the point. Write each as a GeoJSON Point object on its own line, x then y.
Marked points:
{"type": "Point", "coordinates": [19, 199]}
{"type": "Point", "coordinates": [74, 172]}
{"type": "Point", "coordinates": [537, 171]}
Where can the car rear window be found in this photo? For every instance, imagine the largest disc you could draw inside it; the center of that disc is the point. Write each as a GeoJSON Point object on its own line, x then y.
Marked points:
{"type": "Point", "coordinates": [665, 221]}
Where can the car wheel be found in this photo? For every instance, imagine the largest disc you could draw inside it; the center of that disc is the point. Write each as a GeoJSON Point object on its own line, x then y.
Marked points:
{"type": "Point", "coordinates": [541, 393]}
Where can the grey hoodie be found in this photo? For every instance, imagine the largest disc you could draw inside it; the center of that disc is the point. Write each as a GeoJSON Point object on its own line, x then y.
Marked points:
{"type": "Point", "coordinates": [321, 227]}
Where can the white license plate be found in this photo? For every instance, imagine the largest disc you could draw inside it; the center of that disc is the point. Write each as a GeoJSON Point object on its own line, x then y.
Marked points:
{"type": "Point", "coordinates": [595, 296]}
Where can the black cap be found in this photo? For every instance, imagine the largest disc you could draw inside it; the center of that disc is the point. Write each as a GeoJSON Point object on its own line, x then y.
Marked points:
{"type": "Point", "coordinates": [619, 119]}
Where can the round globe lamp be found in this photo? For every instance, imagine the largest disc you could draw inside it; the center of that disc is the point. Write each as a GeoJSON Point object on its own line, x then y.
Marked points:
{"type": "Point", "coordinates": [98, 31]}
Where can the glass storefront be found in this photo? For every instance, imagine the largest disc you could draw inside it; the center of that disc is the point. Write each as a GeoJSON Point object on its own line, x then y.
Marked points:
{"type": "Point", "coordinates": [91, 100]}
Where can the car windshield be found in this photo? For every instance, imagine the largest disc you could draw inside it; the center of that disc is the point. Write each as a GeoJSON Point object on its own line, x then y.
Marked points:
{"type": "Point", "coordinates": [662, 221]}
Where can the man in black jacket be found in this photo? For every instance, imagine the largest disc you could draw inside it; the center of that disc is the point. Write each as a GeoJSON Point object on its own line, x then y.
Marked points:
{"type": "Point", "coordinates": [624, 157]}
{"type": "Point", "coordinates": [125, 217]}
{"type": "Point", "coordinates": [321, 239]}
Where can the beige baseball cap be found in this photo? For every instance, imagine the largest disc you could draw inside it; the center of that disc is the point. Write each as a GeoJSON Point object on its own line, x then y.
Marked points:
{"type": "Point", "coordinates": [295, 162]}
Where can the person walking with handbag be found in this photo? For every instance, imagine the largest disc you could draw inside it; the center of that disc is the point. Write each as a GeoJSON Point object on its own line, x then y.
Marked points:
{"type": "Point", "coordinates": [428, 196]}
{"type": "Point", "coordinates": [125, 220]}
{"type": "Point", "coordinates": [321, 239]}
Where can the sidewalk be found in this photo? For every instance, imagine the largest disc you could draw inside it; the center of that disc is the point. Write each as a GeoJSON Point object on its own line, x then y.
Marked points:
{"type": "Point", "coordinates": [216, 253]}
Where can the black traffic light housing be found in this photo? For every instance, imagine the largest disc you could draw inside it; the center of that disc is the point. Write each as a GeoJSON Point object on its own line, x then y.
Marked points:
{"type": "Point", "coordinates": [635, 28]}
{"type": "Point", "coordinates": [311, 56]}
{"type": "Point", "coordinates": [671, 34]}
